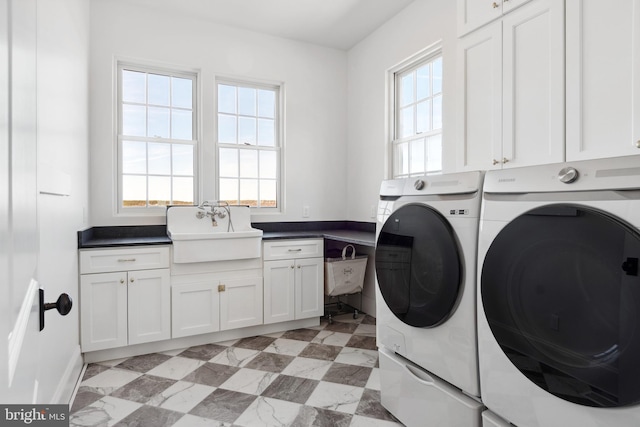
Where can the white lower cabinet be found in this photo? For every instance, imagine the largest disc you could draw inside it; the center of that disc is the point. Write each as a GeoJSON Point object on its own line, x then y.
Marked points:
{"type": "Point", "coordinates": [293, 280]}
{"type": "Point", "coordinates": [124, 307]}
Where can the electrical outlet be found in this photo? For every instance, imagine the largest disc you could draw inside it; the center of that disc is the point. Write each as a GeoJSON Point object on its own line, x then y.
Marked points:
{"type": "Point", "coordinates": [305, 211]}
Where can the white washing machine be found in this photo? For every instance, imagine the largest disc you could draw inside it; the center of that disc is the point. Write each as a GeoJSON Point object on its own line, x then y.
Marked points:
{"type": "Point", "coordinates": [559, 294]}
{"type": "Point", "coordinates": [425, 295]}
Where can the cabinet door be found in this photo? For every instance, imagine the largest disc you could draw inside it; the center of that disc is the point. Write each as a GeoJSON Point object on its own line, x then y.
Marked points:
{"type": "Point", "coordinates": [309, 287]}
{"type": "Point", "coordinates": [533, 84]}
{"type": "Point", "coordinates": [194, 308]}
{"type": "Point", "coordinates": [279, 291]}
{"type": "Point", "coordinates": [241, 303]}
{"type": "Point", "coordinates": [103, 310]}
{"type": "Point", "coordinates": [473, 14]}
{"type": "Point", "coordinates": [480, 99]}
{"type": "Point", "coordinates": [149, 305]}
{"type": "Point", "coordinates": [603, 79]}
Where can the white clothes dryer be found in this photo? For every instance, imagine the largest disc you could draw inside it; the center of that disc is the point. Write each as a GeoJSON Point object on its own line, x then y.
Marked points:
{"type": "Point", "coordinates": [425, 260]}
{"type": "Point", "coordinates": [559, 294]}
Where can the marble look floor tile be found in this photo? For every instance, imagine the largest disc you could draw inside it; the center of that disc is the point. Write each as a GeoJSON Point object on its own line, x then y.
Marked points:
{"type": "Point", "coordinates": [105, 412]}
{"type": "Point", "coordinates": [318, 417]}
{"type": "Point", "coordinates": [143, 388]}
{"type": "Point", "coordinates": [374, 380]}
{"type": "Point", "coordinates": [146, 416]}
{"type": "Point", "coordinates": [234, 356]}
{"type": "Point", "coordinates": [181, 396]}
{"type": "Point", "coordinates": [255, 343]}
{"type": "Point", "coordinates": [211, 374]}
{"type": "Point", "coordinates": [361, 341]}
{"type": "Point", "coordinates": [203, 352]}
{"type": "Point", "coordinates": [143, 363]}
{"type": "Point", "coordinates": [332, 338]}
{"type": "Point", "coordinates": [360, 421]}
{"type": "Point", "coordinates": [324, 352]}
{"type": "Point", "coordinates": [368, 320]}
{"type": "Point", "coordinates": [348, 318]}
{"type": "Point", "coordinates": [348, 374]}
{"type": "Point", "coordinates": [108, 381]}
{"type": "Point", "coordinates": [228, 343]}
{"type": "Point", "coordinates": [270, 362]}
{"type": "Point", "coordinates": [365, 329]}
{"type": "Point", "coordinates": [289, 347]}
{"type": "Point", "coordinates": [113, 362]}
{"type": "Point", "coordinates": [303, 334]}
{"type": "Point", "coordinates": [265, 412]}
{"type": "Point", "coordinates": [223, 405]}
{"type": "Point", "coordinates": [336, 397]}
{"type": "Point", "coordinates": [249, 381]}
{"type": "Point", "coordinates": [371, 407]}
{"type": "Point", "coordinates": [189, 420]}
{"type": "Point", "coordinates": [93, 370]}
{"type": "Point", "coordinates": [291, 389]}
{"type": "Point", "coordinates": [347, 328]}
{"type": "Point", "coordinates": [173, 352]}
{"type": "Point", "coordinates": [358, 356]}
{"type": "Point", "coordinates": [303, 367]}
{"type": "Point", "coordinates": [176, 368]}
{"type": "Point", "coordinates": [275, 334]}
{"type": "Point", "coordinates": [84, 398]}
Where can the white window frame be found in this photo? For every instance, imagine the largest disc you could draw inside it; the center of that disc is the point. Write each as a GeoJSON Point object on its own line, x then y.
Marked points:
{"type": "Point", "coordinates": [425, 56]}
{"type": "Point", "coordinates": [278, 147]}
{"type": "Point", "coordinates": [160, 70]}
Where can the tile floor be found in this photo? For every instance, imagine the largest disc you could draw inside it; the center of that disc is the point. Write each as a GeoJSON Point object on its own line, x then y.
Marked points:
{"type": "Point", "coordinates": [323, 376]}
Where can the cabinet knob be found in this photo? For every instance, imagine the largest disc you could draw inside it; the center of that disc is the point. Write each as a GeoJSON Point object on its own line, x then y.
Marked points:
{"type": "Point", "coordinates": [121, 281]}
{"type": "Point", "coordinates": [131, 280]}
{"type": "Point", "coordinates": [638, 143]}
{"type": "Point", "coordinates": [298, 266]}
{"type": "Point", "coordinates": [495, 5]}
{"type": "Point", "coordinates": [495, 162]}
{"type": "Point", "coordinates": [221, 288]}
{"type": "Point", "coordinates": [505, 160]}
{"type": "Point", "coordinates": [292, 266]}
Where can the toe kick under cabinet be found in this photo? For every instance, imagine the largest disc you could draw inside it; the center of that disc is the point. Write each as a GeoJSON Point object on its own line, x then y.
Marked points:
{"type": "Point", "coordinates": [124, 296]}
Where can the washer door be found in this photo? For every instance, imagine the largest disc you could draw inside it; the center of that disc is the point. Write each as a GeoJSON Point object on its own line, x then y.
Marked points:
{"type": "Point", "coordinates": [418, 265]}
{"type": "Point", "coordinates": [561, 292]}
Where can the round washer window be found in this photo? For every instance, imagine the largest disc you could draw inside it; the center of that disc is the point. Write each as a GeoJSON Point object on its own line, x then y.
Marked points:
{"type": "Point", "coordinates": [561, 291]}
{"type": "Point", "coordinates": [418, 265]}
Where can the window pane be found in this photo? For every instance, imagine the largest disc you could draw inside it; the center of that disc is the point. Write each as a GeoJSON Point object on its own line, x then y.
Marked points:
{"type": "Point", "coordinates": [182, 159]}
{"type": "Point", "coordinates": [402, 159]}
{"type": "Point", "coordinates": [406, 90]}
{"type": "Point", "coordinates": [159, 89]}
{"type": "Point", "coordinates": [434, 154]}
{"type": "Point", "coordinates": [437, 76]}
{"type": "Point", "coordinates": [134, 190]}
{"type": "Point", "coordinates": [181, 92]}
{"type": "Point", "coordinates": [134, 120]}
{"type": "Point", "coordinates": [423, 84]}
{"type": "Point", "coordinates": [229, 162]}
{"type": "Point", "coordinates": [134, 86]}
{"type": "Point", "coordinates": [159, 190]}
{"type": "Point", "coordinates": [247, 101]}
{"type": "Point", "coordinates": [159, 159]}
{"type": "Point", "coordinates": [266, 132]}
{"type": "Point", "coordinates": [158, 122]}
{"type": "Point", "coordinates": [181, 124]}
{"type": "Point", "coordinates": [268, 193]}
{"type": "Point", "coordinates": [417, 156]}
{"type": "Point", "coordinates": [266, 103]}
{"type": "Point", "coordinates": [134, 157]}
{"type": "Point", "coordinates": [248, 163]}
{"type": "Point", "coordinates": [268, 164]}
{"type": "Point", "coordinates": [423, 116]}
{"type": "Point", "coordinates": [226, 129]}
{"type": "Point", "coordinates": [406, 122]}
{"type": "Point", "coordinates": [249, 192]}
{"type": "Point", "coordinates": [182, 191]}
{"type": "Point", "coordinates": [437, 112]}
{"type": "Point", "coordinates": [226, 99]}
{"type": "Point", "coordinates": [229, 190]}
{"type": "Point", "coordinates": [246, 130]}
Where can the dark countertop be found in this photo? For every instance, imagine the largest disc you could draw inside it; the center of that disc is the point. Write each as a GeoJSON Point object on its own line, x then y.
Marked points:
{"type": "Point", "coordinates": [359, 233]}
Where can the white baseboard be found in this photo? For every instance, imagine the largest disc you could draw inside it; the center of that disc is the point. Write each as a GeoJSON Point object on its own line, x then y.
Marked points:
{"type": "Point", "coordinates": [66, 387]}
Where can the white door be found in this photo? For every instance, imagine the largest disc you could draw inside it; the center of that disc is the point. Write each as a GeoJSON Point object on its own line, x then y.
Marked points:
{"type": "Point", "coordinates": [18, 203]}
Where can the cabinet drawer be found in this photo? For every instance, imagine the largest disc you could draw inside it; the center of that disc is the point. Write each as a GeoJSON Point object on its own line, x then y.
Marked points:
{"type": "Point", "coordinates": [123, 259]}
{"type": "Point", "coordinates": [292, 249]}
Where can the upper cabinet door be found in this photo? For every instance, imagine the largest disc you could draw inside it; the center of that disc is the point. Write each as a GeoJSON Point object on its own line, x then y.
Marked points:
{"type": "Point", "coordinates": [603, 78]}
{"type": "Point", "coordinates": [473, 14]}
{"type": "Point", "coordinates": [533, 84]}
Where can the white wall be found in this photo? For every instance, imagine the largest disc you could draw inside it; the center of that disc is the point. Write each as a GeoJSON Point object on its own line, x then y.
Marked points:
{"type": "Point", "coordinates": [316, 102]}
{"type": "Point", "coordinates": [63, 152]}
{"type": "Point", "coordinates": [418, 26]}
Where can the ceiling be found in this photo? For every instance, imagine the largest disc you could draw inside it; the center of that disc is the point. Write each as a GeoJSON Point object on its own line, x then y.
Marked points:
{"type": "Point", "coordinates": [339, 24]}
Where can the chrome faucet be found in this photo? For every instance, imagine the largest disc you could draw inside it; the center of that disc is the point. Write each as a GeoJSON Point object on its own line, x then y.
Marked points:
{"type": "Point", "coordinates": [216, 209]}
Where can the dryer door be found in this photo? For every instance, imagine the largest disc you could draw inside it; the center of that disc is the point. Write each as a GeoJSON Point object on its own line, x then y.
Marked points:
{"type": "Point", "coordinates": [561, 292]}
{"type": "Point", "coordinates": [418, 265]}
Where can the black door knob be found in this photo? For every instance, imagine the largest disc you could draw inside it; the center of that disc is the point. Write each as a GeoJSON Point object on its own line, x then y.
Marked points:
{"type": "Point", "coordinates": [63, 304]}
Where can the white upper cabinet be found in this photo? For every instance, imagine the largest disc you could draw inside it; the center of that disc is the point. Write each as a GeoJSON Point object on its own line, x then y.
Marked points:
{"type": "Point", "coordinates": [473, 14]}
{"type": "Point", "coordinates": [511, 75]}
{"type": "Point", "coordinates": [603, 78]}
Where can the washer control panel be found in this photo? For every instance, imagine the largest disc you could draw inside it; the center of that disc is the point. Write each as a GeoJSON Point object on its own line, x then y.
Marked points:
{"type": "Point", "coordinates": [568, 175]}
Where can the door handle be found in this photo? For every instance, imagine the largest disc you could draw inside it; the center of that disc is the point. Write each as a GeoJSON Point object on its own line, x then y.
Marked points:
{"type": "Point", "coordinates": [63, 304]}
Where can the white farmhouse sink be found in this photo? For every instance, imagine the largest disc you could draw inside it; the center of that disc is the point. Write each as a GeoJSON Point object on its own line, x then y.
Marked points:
{"type": "Point", "coordinates": [197, 239]}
